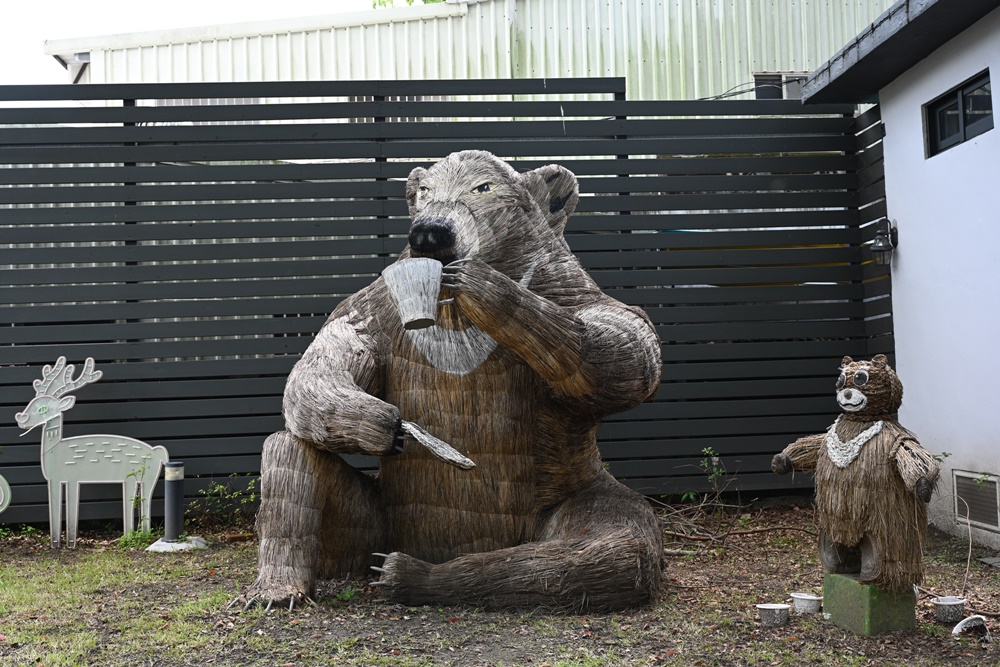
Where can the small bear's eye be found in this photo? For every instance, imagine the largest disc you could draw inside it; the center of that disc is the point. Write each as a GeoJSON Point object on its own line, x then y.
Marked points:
{"type": "Point", "coordinates": [42, 409]}
{"type": "Point", "coordinates": [483, 188]}
{"type": "Point", "coordinates": [860, 378]}
{"type": "Point", "coordinates": [841, 381]}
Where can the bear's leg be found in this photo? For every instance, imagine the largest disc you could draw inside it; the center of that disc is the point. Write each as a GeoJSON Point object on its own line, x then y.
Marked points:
{"type": "Point", "coordinates": [893, 548]}
{"type": "Point", "coordinates": [891, 563]}
{"type": "Point", "coordinates": [838, 558]}
{"type": "Point", "coordinates": [871, 561]}
{"type": "Point", "coordinates": [599, 550]}
{"type": "Point", "coordinates": [318, 517]}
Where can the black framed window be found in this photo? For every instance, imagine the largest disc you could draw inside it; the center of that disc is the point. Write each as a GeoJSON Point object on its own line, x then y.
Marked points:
{"type": "Point", "coordinates": [959, 115]}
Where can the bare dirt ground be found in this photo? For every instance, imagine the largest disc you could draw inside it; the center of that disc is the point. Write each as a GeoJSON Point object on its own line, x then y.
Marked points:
{"type": "Point", "coordinates": [70, 608]}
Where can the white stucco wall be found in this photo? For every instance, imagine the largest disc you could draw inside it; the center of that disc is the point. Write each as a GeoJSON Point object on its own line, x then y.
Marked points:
{"type": "Point", "coordinates": [946, 271]}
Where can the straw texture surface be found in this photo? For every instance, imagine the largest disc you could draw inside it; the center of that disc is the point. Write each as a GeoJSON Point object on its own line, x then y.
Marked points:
{"type": "Point", "coordinates": [527, 355]}
{"type": "Point", "coordinates": [873, 480]}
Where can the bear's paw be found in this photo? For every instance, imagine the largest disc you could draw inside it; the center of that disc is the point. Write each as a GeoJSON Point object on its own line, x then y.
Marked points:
{"type": "Point", "coordinates": [404, 578]}
{"type": "Point", "coordinates": [276, 586]}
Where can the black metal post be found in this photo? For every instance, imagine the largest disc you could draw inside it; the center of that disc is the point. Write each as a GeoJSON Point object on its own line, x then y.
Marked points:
{"type": "Point", "coordinates": [173, 501]}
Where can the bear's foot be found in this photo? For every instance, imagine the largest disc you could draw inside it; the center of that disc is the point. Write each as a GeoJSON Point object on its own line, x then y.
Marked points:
{"type": "Point", "coordinates": [279, 585]}
{"type": "Point", "coordinates": [839, 558]}
{"type": "Point", "coordinates": [871, 562]}
{"type": "Point", "coordinates": [404, 579]}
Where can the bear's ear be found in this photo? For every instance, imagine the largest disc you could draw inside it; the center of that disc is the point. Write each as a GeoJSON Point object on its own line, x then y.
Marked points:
{"type": "Point", "coordinates": [412, 184]}
{"type": "Point", "coordinates": [845, 361]}
{"type": "Point", "coordinates": [879, 361]}
{"type": "Point", "coordinates": [556, 191]}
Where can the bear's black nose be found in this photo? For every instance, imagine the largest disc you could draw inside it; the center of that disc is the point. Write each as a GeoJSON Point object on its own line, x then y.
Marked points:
{"type": "Point", "coordinates": [848, 394]}
{"type": "Point", "coordinates": [431, 236]}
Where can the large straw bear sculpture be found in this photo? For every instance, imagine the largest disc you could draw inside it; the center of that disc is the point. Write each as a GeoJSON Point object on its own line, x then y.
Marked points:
{"type": "Point", "coordinates": [873, 480]}
{"type": "Point", "coordinates": [527, 356]}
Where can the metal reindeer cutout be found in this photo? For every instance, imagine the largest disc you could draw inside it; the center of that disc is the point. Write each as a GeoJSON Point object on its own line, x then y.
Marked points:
{"type": "Point", "coordinates": [86, 459]}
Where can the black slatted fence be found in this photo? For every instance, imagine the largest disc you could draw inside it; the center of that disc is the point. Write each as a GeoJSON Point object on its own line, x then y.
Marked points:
{"type": "Point", "coordinates": [194, 251]}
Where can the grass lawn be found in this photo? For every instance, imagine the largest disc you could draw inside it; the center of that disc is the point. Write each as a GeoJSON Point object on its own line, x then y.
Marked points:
{"type": "Point", "coordinates": [104, 605]}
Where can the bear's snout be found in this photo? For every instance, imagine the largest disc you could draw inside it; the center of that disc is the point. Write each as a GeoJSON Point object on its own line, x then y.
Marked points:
{"type": "Point", "coordinates": [432, 237]}
{"type": "Point", "coordinates": [851, 400]}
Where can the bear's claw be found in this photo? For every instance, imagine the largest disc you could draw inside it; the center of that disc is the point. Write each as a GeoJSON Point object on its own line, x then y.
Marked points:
{"type": "Point", "coordinates": [451, 275]}
{"type": "Point", "coordinates": [252, 601]}
{"type": "Point", "coordinates": [385, 573]}
{"type": "Point", "coordinates": [275, 587]}
{"type": "Point", "coordinates": [388, 574]}
{"type": "Point", "coordinates": [401, 576]}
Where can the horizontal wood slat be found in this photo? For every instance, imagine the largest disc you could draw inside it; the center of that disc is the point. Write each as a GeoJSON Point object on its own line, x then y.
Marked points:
{"type": "Point", "coordinates": [389, 108]}
{"type": "Point", "coordinates": [683, 128]}
{"type": "Point", "coordinates": [378, 149]}
{"type": "Point", "coordinates": [297, 89]}
{"type": "Point", "coordinates": [301, 189]}
{"type": "Point", "coordinates": [194, 290]}
{"type": "Point", "coordinates": [194, 250]}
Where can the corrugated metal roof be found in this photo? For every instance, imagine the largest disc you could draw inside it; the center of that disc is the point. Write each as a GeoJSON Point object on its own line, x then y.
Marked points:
{"type": "Point", "coordinates": [666, 49]}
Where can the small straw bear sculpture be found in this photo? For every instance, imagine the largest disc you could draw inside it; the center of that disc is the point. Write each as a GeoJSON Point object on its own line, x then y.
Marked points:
{"type": "Point", "coordinates": [873, 480]}
{"type": "Point", "coordinates": [526, 357]}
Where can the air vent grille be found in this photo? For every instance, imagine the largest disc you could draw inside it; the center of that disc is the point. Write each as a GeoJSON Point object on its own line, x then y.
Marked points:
{"type": "Point", "coordinates": [981, 497]}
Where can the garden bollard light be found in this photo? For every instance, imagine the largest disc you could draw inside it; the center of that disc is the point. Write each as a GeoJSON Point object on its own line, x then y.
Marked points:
{"type": "Point", "coordinates": [173, 501]}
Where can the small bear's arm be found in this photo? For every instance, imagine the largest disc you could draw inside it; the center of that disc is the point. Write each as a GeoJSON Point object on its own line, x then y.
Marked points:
{"type": "Point", "coordinates": [604, 353]}
{"type": "Point", "coordinates": [801, 455]}
{"type": "Point", "coordinates": [329, 397]}
{"type": "Point", "coordinates": [917, 467]}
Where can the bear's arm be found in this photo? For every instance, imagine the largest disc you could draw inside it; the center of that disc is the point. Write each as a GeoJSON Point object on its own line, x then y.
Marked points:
{"type": "Point", "coordinates": [329, 397]}
{"type": "Point", "coordinates": [914, 463]}
{"type": "Point", "coordinates": [602, 353]}
{"type": "Point", "coordinates": [801, 455]}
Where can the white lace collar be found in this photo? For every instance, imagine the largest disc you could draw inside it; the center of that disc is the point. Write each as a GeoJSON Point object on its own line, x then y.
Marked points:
{"type": "Point", "coordinates": [843, 453]}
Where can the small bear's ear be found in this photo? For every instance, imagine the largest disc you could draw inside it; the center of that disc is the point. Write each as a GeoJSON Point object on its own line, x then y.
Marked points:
{"type": "Point", "coordinates": [879, 361]}
{"type": "Point", "coordinates": [556, 191]}
{"type": "Point", "coordinates": [412, 184]}
{"type": "Point", "coordinates": [845, 361]}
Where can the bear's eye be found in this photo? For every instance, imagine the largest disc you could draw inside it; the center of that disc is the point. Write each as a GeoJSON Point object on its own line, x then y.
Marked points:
{"type": "Point", "coordinates": [841, 381]}
{"type": "Point", "coordinates": [483, 188]}
{"type": "Point", "coordinates": [860, 378]}
{"type": "Point", "coordinates": [424, 189]}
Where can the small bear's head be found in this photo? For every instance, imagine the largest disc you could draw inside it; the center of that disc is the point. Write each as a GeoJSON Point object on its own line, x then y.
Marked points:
{"type": "Point", "coordinates": [474, 205]}
{"type": "Point", "coordinates": [869, 388]}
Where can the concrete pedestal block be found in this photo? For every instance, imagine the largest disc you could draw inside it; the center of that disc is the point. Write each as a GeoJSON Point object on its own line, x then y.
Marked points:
{"type": "Point", "coordinates": [866, 610]}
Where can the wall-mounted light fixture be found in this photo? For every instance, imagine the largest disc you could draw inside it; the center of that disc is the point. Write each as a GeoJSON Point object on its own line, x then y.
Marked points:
{"type": "Point", "coordinates": [886, 240]}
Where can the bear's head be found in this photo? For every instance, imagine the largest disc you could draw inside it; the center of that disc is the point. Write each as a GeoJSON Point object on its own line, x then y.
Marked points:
{"type": "Point", "coordinates": [472, 205]}
{"type": "Point", "coordinates": [869, 388]}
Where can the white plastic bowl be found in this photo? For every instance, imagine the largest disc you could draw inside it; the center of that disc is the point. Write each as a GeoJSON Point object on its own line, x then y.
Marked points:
{"type": "Point", "coordinates": [806, 603]}
{"type": "Point", "coordinates": [773, 615]}
{"type": "Point", "coordinates": [949, 609]}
